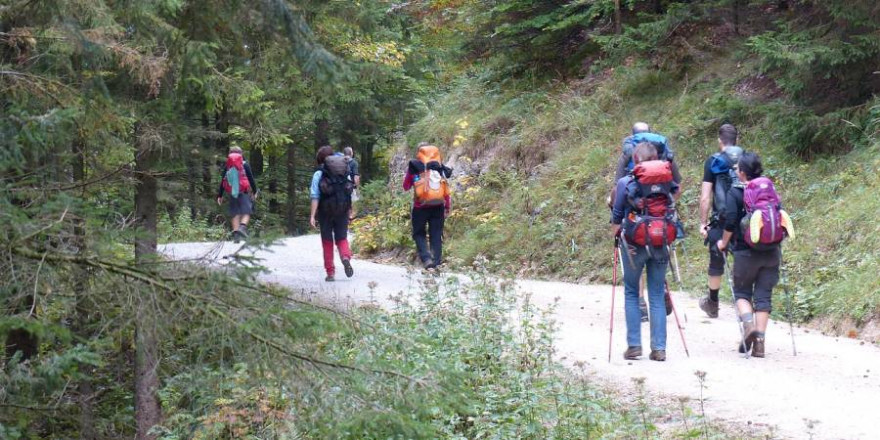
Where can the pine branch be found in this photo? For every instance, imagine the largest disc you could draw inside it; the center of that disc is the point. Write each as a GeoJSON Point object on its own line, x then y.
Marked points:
{"type": "Point", "coordinates": [151, 280]}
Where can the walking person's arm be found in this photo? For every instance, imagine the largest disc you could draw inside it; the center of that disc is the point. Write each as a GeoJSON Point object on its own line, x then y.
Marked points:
{"type": "Point", "coordinates": [618, 208]}
{"type": "Point", "coordinates": [252, 180]}
{"type": "Point", "coordinates": [221, 190]}
{"type": "Point", "coordinates": [315, 196]}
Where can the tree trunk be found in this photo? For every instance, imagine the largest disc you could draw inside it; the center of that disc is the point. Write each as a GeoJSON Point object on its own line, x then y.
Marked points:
{"type": "Point", "coordinates": [736, 16]}
{"type": "Point", "coordinates": [322, 132]}
{"type": "Point", "coordinates": [85, 390]}
{"type": "Point", "coordinates": [257, 161]}
{"type": "Point", "coordinates": [274, 206]}
{"type": "Point", "coordinates": [146, 406]}
{"type": "Point", "coordinates": [222, 126]}
{"type": "Point", "coordinates": [207, 168]}
{"type": "Point", "coordinates": [658, 6]}
{"type": "Point", "coordinates": [617, 25]}
{"type": "Point", "coordinates": [290, 218]}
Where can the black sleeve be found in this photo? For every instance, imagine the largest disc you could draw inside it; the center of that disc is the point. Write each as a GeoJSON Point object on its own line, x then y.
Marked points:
{"type": "Point", "coordinates": [250, 176]}
{"type": "Point", "coordinates": [733, 211]}
{"type": "Point", "coordinates": [708, 177]}
{"type": "Point", "coordinates": [622, 162]}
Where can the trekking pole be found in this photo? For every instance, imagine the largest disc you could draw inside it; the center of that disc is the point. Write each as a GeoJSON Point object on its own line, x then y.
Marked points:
{"type": "Point", "coordinates": [742, 330]}
{"type": "Point", "coordinates": [788, 301]}
{"type": "Point", "coordinates": [677, 322]}
{"type": "Point", "coordinates": [676, 271]}
{"type": "Point", "coordinates": [613, 287]}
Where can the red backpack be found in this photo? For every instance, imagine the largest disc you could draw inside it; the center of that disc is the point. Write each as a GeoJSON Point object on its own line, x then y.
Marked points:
{"type": "Point", "coordinates": [651, 222]}
{"type": "Point", "coordinates": [235, 179]}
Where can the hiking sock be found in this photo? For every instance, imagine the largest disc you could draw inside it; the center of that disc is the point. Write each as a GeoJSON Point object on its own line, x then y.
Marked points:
{"type": "Point", "coordinates": [713, 294]}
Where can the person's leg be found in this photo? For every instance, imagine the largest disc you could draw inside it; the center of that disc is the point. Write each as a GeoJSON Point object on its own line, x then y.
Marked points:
{"type": "Point", "coordinates": [710, 302]}
{"type": "Point", "coordinates": [327, 245]}
{"type": "Point", "coordinates": [420, 233]}
{"type": "Point", "coordinates": [634, 263]}
{"type": "Point", "coordinates": [340, 235]}
{"type": "Point", "coordinates": [745, 271]}
{"type": "Point", "coordinates": [656, 270]}
{"type": "Point", "coordinates": [236, 222]}
{"type": "Point", "coordinates": [766, 279]}
{"type": "Point", "coordinates": [435, 233]}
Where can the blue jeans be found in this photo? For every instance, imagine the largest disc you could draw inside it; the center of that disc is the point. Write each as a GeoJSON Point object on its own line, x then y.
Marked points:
{"type": "Point", "coordinates": [655, 264]}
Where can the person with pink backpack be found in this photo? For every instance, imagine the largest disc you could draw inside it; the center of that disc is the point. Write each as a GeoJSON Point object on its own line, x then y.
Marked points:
{"type": "Point", "coordinates": [754, 228]}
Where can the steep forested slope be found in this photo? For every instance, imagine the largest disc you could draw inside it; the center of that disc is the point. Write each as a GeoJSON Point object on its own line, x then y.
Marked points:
{"type": "Point", "coordinates": [536, 155]}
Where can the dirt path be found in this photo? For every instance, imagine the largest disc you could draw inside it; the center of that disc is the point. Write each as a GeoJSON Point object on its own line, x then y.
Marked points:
{"type": "Point", "coordinates": [833, 381]}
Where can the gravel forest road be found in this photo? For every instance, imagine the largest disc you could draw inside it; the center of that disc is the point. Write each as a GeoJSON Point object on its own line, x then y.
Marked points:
{"type": "Point", "coordinates": [832, 384]}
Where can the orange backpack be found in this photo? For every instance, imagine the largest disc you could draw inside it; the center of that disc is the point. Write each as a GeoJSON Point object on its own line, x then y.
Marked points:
{"type": "Point", "coordinates": [430, 186]}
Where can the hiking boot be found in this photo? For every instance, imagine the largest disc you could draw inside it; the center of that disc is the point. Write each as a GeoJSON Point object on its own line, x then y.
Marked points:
{"type": "Point", "coordinates": [632, 353]}
{"type": "Point", "coordinates": [643, 309]}
{"type": "Point", "coordinates": [429, 264]}
{"type": "Point", "coordinates": [750, 336]}
{"type": "Point", "coordinates": [667, 301]}
{"type": "Point", "coordinates": [236, 237]}
{"type": "Point", "coordinates": [658, 355]}
{"type": "Point", "coordinates": [242, 231]}
{"type": "Point", "coordinates": [330, 278]}
{"type": "Point", "coordinates": [348, 270]}
{"type": "Point", "coordinates": [709, 306]}
{"type": "Point", "coordinates": [758, 347]}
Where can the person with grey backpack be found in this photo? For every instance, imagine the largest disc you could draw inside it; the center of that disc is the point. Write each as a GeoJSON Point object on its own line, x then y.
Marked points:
{"type": "Point", "coordinates": [330, 193]}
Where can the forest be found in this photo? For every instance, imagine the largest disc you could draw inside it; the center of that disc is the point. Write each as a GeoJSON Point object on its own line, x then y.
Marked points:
{"type": "Point", "coordinates": [116, 117]}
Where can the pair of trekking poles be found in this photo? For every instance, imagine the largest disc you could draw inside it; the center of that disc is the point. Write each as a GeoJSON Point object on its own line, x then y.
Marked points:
{"type": "Point", "coordinates": [741, 324]}
{"type": "Point", "coordinates": [619, 241]}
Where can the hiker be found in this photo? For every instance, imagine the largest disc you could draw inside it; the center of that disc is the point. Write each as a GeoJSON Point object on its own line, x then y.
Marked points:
{"type": "Point", "coordinates": [755, 244]}
{"type": "Point", "coordinates": [641, 132]}
{"type": "Point", "coordinates": [642, 215]}
{"type": "Point", "coordinates": [427, 175]}
{"type": "Point", "coordinates": [238, 182]}
{"type": "Point", "coordinates": [330, 193]}
{"type": "Point", "coordinates": [718, 177]}
{"type": "Point", "coordinates": [354, 172]}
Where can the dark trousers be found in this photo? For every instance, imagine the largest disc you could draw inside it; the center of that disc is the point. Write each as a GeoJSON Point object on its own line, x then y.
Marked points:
{"type": "Point", "coordinates": [755, 274]}
{"type": "Point", "coordinates": [428, 221]}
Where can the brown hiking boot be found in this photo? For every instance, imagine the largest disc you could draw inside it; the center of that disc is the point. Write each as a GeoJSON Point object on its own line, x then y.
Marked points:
{"type": "Point", "coordinates": [658, 355]}
{"type": "Point", "coordinates": [709, 306]}
{"type": "Point", "coordinates": [758, 347]}
{"type": "Point", "coordinates": [632, 353]}
{"type": "Point", "coordinates": [750, 335]}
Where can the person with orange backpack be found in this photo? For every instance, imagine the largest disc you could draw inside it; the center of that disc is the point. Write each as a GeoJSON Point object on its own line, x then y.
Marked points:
{"type": "Point", "coordinates": [643, 220]}
{"type": "Point", "coordinates": [238, 182]}
{"type": "Point", "coordinates": [426, 176]}
{"type": "Point", "coordinates": [330, 193]}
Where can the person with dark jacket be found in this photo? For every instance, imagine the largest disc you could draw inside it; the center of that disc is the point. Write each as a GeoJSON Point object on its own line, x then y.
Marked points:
{"type": "Point", "coordinates": [711, 226]}
{"type": "Point", "coordinates": [636, 259]}
{"type": "Point", "coordinates": [755, 273]}
{"type": "Point", "coordinates": [333, 225]}
{"type": "Point", "coordinates": [240, 208]}
{"type": "Point", "coordinates": [427, 220]}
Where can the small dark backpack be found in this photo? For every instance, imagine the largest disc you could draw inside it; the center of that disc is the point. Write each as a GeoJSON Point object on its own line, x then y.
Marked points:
{"type": "Point", "coordinates": [723, 169]}
{"type": "Point", "coordinates": [651, 222]}
{"type": "Point", "coordinates": [335, 186]}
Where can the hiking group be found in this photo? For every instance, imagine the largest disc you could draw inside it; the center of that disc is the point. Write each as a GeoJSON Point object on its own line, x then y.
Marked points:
{"type": "Point", "coordinates": [740, 214]}
{"type": "Point", "coordinates": [332, 192]}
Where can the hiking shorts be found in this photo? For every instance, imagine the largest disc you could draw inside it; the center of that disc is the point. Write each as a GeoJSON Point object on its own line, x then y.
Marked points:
{"type": "Point", "coordinates": [241, 205]}
{"type": "Point", "coordinates": [755, 274]}
{"type": "Point", "coordinates": [716, 259]}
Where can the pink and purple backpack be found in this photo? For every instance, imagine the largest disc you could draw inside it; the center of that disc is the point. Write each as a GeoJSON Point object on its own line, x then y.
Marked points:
{"type": "Point", "coordinates": [760, 199]}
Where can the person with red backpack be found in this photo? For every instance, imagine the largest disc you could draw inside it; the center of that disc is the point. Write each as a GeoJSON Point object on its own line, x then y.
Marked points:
{"type": "Point", "coordinates": [426, 176]}
{"type": "Point", "coordinates": [330, 193]}
{"type": "Point", "coordinates": [237, 181]}
{"type": "Point", "coordinates": [754, 227]}
{"type": "Point", "coordinates": [643, 220]}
